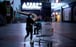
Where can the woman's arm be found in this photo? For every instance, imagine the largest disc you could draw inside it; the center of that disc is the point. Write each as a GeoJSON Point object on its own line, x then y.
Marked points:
{"type": "Point", "coordinates": [27, 13]}
{"type": "Point", "coordinates": [24, 13]}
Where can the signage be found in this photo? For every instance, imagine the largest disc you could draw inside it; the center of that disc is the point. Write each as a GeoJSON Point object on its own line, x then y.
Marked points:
{"type": "Point", "coordinates": [31, 6]}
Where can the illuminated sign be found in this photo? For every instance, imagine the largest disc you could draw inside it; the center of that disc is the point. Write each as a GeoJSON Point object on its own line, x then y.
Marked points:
{"type": "Point", "coordinates": [31, 6]}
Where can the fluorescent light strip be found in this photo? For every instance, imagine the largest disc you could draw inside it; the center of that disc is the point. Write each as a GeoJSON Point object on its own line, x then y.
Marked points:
{"type": "Point", "coordinates": [57, 6]}
{"type": "Point", "coordinates": [57, 1]}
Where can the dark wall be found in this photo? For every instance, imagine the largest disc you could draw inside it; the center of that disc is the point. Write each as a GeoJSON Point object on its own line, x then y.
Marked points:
{"type": "Point", "coordinates": [46, 11]}
{"type": "Point", "coordinates": [5, 9]}
{"type": "Point", "coordinates": [30, 0]}
{"type": "Point", "coordinates": [73, 6]}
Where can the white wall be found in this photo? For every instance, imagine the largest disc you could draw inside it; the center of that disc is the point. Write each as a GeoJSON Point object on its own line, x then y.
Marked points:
{"type": "Point", "coordinates": [16, 4]}
{"type": "Point", "coordinates": [1, 0]}
{"type": "Point", "coordinates": [67, 14]}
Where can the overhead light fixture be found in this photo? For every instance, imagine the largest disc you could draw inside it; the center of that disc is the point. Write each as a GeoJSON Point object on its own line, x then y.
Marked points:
{"type": "Point", "coordinates": [57, 1]}
{"type": "Point", "coordinates": [65, 6]}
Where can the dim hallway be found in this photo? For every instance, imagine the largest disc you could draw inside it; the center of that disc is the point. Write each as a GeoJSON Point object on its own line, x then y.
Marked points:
{"type": "Point", "coordinates": [63, 35]}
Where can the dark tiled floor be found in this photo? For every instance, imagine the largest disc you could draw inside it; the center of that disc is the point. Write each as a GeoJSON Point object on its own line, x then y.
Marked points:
{"type": "Point", "coordinates": [64, 35]}
{"type": "Point", "coordinates": [12, 35]}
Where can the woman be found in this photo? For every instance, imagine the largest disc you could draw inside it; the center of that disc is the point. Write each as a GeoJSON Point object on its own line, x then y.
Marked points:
{"type": "Point", "coordinates": [29, 23]}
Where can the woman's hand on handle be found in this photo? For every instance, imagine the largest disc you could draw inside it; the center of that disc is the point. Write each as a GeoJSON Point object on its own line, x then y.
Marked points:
{"type": "Point", "coordinates": [35, 16]}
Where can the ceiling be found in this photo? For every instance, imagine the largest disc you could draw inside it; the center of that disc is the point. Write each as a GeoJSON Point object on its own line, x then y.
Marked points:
{"type": "Point", "coordinates": [64, 3]}
{"type": "Point", "coordinates": [68, 1]}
